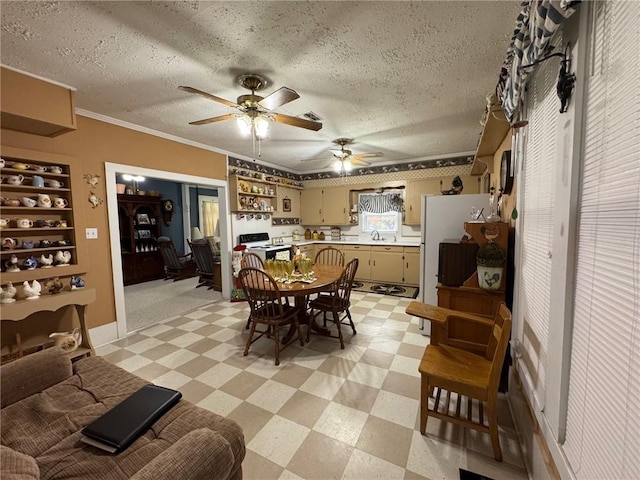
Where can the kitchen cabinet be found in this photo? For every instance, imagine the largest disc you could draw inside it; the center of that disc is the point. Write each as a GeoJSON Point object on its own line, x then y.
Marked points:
{"type": "Point", "coordinates": [309, 250]}
{"type": "Point", "coordinates": [411, 265]}
{"type": "Point", "coordinates": [432, 186]}
{"type": "Point", "coordinates": [288, 201]}
{"type": "Point", "coordinates": [140, 222]}
{"type": "Point", "coordinates": [387, 264]}
{"type": "Point", "coordinates": [363, 254]}
{"type": "Point", "coordinates": [252, 195]}
{"type": "Point", "coordinates": [328, 206]}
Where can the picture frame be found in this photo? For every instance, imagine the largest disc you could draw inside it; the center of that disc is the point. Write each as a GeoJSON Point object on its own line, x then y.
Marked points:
{"type": "Point", "coordinates": [143, 219]}
{"type": "Point", "coordinates": [153, 220]}
{"type": "Point", "coordinates": [144, 234]}
{"type": "Point", "coordinates": [286, 204]}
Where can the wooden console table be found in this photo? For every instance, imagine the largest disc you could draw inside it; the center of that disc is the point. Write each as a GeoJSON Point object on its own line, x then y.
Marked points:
{"type": "Point", "coordinates": [26, 324]}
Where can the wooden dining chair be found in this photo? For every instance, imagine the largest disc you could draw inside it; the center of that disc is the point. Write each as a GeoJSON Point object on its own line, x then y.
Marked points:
{"type": "Point", "coordinates": [251, 260]}
{"type": "Point", "coordinates": [337, 302]}
{"type": "Point", "coordinates": [267, 309]}
{"type": "Point", "coordinates": [330, 256]}
{"type": "Point", "coordinates": [460, 364]}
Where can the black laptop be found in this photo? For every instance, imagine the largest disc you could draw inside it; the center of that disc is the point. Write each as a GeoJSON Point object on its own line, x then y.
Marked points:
{"type": "Point", "coordinates": [119, 427]}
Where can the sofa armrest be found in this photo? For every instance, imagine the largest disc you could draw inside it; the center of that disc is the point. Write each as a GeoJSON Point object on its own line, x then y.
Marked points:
{"type": "Point", "coordinates": [33, 374]}
{"type": "Point", "coordinates": [17, 466]}
{"type": "Point", "coordinates": [209, 456]}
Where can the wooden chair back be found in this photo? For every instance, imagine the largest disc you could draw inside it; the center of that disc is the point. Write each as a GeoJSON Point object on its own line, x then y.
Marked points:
{"type": "Point", "coordinates": [263, 295]}
{"type": "Point", "coordinates": [345, 282]}
{"type": "Point", "coordinates": [330, 256]}
{"type": "Point", "coordinates": [168, 252]}
{"type": "Point", "coordinates": [203, 256]}
{"type": "Point", "coordinates": [251, 260]}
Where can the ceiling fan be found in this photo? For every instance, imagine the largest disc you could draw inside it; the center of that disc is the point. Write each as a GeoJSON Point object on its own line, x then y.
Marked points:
{"type": "Point", "coordinates": [345, 159]}
{"type": "Point", "coordinates": [255, 110]}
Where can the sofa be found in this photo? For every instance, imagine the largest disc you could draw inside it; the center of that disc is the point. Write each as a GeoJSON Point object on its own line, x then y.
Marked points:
{"type": "Point", "coordinates": [46, 401]}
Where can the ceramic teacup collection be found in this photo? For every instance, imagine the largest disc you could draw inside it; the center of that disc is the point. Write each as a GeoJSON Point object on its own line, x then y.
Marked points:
{"type": "Point", "coordinates": [15, 179]}
{"type": "Point", "coordinates": [44, 200]}
{"type": "Point", "coordinates": [24, 223]}
{"type": "Point", "coordinates": [54, 183]}
{"type": "Point", "coordinates": [60, 202]}
{"type": "Point", "coordinates": [55, 169]}
{"type": "Point", "coordinates": [29, 202]}
{"type": "Point", "coordinates": [4, 222]}
{"type": "Point", "coordinates": [20, 166]}
{"type": "Point", "coordinates": [37, 181]}
{"type": "Point", "coordinates": [39, 168]}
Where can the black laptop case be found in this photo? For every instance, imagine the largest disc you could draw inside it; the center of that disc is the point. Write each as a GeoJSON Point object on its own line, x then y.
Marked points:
{"type": "Point", "coordinates": [119, 427]}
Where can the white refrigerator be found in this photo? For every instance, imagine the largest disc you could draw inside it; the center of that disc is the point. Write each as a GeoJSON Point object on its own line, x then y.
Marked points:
{"type": "Point", "coordinates": [443, 218]}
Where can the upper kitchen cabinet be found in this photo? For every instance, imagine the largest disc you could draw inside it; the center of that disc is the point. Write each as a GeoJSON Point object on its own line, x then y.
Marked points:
{"type": "Point", "coordinates": [325, 206]}
{"type": "Point", "coordinates": [288, 201]}
{"type": "Point", "coordinates": [432, 186]}
{"type": "Point", "coordinates": [47, 109]}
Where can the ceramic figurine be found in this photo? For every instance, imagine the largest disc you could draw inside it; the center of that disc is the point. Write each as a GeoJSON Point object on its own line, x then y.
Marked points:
{"type": "Point", "coordinates": [76, 282]}
{"type": "Point", "coordinates": [62, 258]}
{"type": "Point", "coordinates": [30, 263]}
{"type": "Point", "coordinates": [12, 264]}
{"type": "Point", "coordinates": [31, 292]}
{"type": "Point", "coordinates": [47, 261]}
{"type": "Point", "coordinates": [68, 341]}
{"type": "Point", "coordinates": [6, 295]}
{"type": "Point", "coordinates": [53, 285]}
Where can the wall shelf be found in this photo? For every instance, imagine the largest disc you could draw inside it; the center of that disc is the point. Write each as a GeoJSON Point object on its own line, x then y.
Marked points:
{"type": "Point", "coordinates": [492, 136]}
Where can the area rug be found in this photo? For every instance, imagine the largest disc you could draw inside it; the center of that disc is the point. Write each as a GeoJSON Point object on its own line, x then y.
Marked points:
{"type": "Point", "coordinates": [386, 289]}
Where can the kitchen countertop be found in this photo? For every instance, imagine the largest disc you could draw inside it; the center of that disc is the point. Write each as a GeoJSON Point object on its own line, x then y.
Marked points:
{"type": "Point", "coordinates": [400, 243]}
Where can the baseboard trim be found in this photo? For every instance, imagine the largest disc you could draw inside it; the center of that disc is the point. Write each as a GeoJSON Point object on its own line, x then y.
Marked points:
{"type": "Point", "coordinates": [103, 334]}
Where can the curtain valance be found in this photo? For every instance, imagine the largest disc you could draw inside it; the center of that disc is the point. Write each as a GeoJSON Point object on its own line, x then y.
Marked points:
{"type": "Point", "coordinates": [377, 203]}
{"type": "Point", "coordinates": [533, 38]}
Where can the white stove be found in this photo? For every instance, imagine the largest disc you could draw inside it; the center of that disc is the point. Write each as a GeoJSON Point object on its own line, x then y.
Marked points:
{"type": "Point", "coordinates": [260, 244]}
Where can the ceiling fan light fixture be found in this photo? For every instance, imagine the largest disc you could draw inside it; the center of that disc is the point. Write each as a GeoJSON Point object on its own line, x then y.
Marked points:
{"type": "Point", "coordinates": [244, 124]}
{"type": "Point", "coordinates": [346, 165]}
{"type": "Point", "coordinates": [337, 166]}
{"type": "Point", "coordinates": [261, 126]}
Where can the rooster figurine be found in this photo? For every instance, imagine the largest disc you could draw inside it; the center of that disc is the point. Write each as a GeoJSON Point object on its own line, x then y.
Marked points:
{"type": "Point", "coordinates": [31, 292]}
{"type": "Point", "coordinates": [47, 261]}
{"type": "Point", "coordinates": [62, 258]}
{"type": "Point", "coordinates": [6, 295]}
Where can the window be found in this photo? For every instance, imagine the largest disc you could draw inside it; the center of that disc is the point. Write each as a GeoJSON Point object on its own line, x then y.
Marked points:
{"type": "Point", "coordinates": [382, 222]}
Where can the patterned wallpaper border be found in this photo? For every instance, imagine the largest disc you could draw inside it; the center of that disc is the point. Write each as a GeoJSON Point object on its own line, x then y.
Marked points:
{"type": "Point", "coordinates": [244, 167]}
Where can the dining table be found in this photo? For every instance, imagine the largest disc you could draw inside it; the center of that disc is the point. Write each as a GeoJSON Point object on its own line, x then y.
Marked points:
{"type": "Point", "coordinates": [324, 277]}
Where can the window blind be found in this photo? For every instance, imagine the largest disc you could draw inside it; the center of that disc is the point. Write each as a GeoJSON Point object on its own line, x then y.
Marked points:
{"type": "Point", "coordinates": [537, 226]}
{"type": "Point", "coordinates": [603, 429]}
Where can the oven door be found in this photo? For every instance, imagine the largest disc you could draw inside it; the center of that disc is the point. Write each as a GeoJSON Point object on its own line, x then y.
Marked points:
{"type": "Point", "coordinates": [283, 253]}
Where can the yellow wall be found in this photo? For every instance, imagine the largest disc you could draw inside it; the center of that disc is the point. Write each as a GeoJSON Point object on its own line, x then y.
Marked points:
{"type": "Point", "coordinates": [90, 146]}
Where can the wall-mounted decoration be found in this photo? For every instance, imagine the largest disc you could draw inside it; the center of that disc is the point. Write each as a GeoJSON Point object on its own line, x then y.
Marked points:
{"type": "Point", "coordinates": [506, 173]}
{"type": "Point", "coordinates": [286, 204]}
{"type": "Point", "coordinates": [285, 221]}
{"type": "Point", "coordinates": [91, 179]}
{"type": "Point", "coordinates": [167, 211]}
{"type": "Point", "coordinates": [94, 200]}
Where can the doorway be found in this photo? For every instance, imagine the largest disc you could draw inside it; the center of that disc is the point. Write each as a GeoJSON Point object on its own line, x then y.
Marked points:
{"type": "Point", "coordinates": [112, 170]}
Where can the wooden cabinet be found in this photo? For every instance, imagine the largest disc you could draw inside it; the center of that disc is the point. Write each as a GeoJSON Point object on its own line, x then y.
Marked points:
{"type": "Point", "coordinates": [252, 195]}
{"type": "Point", "coordinates": [328, 206]}
{"type": "Point", "coordinates": [140, 222]}
{"type": "Point", "coordinates": [43, 232]}
{"type": "Point", "coordinates": [288, 201]}
{"type": "Point", "coordinates": [432, 186]}
{"type": "Point", "coordinates": [363, 254]}
{"type": "Point", "coordinates": [309, 250]}
{"type": "Point", "coordinates": [387, 264]}
{"type": "Point", "coordinates": [412, 265]}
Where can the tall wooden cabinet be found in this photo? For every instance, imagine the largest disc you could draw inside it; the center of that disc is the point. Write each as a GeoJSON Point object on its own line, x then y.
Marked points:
{"type": "Point", "coordinates": [140, 220]}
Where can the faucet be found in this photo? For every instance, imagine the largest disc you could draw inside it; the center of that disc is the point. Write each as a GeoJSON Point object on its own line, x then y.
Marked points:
{"type": "Point", "coordinates": [375, 235]}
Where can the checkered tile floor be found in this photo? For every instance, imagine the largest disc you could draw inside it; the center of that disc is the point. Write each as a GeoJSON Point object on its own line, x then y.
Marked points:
{"type": "Point", "coordinates": [324, 412]}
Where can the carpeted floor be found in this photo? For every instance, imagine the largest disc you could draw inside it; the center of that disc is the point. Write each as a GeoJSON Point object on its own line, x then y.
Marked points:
{"type": "Point", "coordinates": [150, 302]}
{"type": "Point", "coordinates": [404, 291]}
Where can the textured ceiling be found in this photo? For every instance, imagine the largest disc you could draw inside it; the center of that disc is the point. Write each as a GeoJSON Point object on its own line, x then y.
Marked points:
{"type": "Point", "coordinates": [408, 79]}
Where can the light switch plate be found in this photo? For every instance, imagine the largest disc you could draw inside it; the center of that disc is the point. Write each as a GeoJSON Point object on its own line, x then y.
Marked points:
{"type": "Point", "coordinates": [92, 233]}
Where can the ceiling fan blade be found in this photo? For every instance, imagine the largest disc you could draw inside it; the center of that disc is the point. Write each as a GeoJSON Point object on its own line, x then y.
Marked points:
{"type": "Point", "coordinates": [208, 95]}
{"type": "Point", "coordinates": [368, 155]}
{"type": "Point", "coordinates": [296, 122]}
{"type": "Point", "coordinates": [228, 116]}
{"type": "Point", "coordinates": [278, 98]}
{"type": "Point", "coordinates": [356, 161]}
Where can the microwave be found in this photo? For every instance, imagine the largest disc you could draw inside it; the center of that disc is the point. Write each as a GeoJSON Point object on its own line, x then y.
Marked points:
{"type": "Point", "coordinates": [456, 262]}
